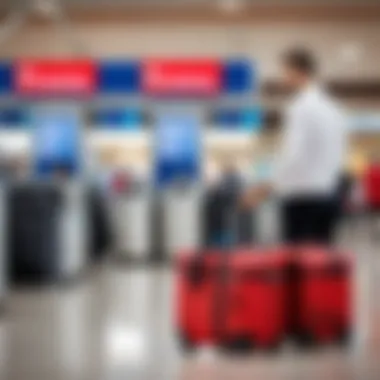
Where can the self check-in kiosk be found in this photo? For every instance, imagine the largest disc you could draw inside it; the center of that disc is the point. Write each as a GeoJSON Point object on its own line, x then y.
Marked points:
{"type": "Point", "coordinates": [191, 97]}
{"type": "Point", "coordinates": [178, 176]}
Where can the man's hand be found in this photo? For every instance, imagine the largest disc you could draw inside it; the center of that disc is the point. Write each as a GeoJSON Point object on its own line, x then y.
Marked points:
{"type": "Point", "coordinates": [257, 194]}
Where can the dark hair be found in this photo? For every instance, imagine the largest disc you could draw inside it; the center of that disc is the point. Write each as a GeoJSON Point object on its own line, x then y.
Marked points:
{"type": "Point", "coordinates": [302, 60]}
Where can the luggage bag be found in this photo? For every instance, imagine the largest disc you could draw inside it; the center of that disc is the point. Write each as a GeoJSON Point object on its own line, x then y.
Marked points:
{"type": "Point", "coordinates": [235, 302]}
{"type": "Point", "coordinates": [256, 301]}
{"type": "Point", "coordinates": [196, 286]}
{"type": "Point", "coordinates": [324, 296]}
{"type": "Point", "coordinates": [33, 241]}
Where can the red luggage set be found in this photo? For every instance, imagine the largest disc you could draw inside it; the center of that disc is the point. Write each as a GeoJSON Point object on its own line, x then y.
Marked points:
{"type": "Point", "coordinates": [259, 298]}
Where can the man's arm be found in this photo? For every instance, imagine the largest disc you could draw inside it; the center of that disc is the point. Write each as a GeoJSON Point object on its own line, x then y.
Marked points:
{"type": "Point", "coordinates": [288, 159]}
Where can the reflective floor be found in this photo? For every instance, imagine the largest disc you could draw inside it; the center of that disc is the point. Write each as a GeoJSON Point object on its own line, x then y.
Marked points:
{"type": "Point", "coordinates": [117, 324]}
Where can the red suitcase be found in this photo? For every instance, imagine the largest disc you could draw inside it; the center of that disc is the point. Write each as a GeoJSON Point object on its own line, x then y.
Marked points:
{"type": "Point", "coordinates": [256, 300]}
{"type": "Point", "coordinates": [234, 301]}
{"type": "Point", "coordinates": [324, 296]}
{"type": "Point", "coordinates": [197, 281]}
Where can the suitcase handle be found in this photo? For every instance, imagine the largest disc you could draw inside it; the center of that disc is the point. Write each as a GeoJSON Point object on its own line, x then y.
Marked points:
{"type": "Point", "coordinates": [197, 272]}
{"type": "Point", "coordinates": [268, 276]}
{"type": "Point", "coordinates": [335, 270]}
{"type": "Point", "coordinates": [220, 309]}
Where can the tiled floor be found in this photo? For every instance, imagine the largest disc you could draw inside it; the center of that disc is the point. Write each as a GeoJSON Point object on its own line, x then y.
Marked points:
{"type": "Point", "coordinates": [117, 324]}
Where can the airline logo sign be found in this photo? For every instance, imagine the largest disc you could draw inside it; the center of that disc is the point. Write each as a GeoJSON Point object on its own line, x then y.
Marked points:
{"type": "Point", "coordinates": [49, 77]}
{"type": "Point", "coordinates": [182, 77]}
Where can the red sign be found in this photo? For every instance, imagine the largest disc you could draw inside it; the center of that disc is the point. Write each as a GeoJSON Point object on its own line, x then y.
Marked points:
{"type": "Point", "coordinates": [182, 77]}
{"type": "Point", "coordinates": [55, 77]}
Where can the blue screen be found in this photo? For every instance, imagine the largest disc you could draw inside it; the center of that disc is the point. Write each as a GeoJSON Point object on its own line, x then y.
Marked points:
{"type": "Point", "coordinates": [177, 149]}
{"type": "Point", "coordinates": [56, 139]}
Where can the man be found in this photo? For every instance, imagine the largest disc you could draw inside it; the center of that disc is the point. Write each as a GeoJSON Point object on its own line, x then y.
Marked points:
{"type": "Point", "coordinates": [311, 158]}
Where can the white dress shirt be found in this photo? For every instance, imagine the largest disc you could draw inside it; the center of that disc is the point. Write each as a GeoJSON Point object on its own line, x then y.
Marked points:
{"type": "Point", "coordinates": [311, 158]}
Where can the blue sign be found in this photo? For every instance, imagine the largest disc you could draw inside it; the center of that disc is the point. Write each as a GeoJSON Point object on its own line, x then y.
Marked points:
{"type": "Point", "coordinates": [12, 117]}
{"type": "Point", "coordinates": [119, 77]}
{"type": "Point", "coordinates": [113, 77]}
{"type": "Point", "coordinates": [252, 119]}
{"type": "Point", "coordinates": [177, 149]}
{"type": "Point", "coordinates": [238, 77]}
{"type": "Point", "coordinates": [124, 77]}
{"type": "Point", "coordinates": [117, 118]}
{"type": "Point", "coordinates": [6, 78]}
{"type": "Point", "coordinates": [238, 119]}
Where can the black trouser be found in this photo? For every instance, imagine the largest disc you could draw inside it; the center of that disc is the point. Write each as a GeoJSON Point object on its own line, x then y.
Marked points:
{"type": "Point", "coordinates": [309, 219]}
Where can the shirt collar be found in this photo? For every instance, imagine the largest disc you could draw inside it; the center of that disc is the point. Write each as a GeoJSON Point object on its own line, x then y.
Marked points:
{"type": "Point", "coordinates": [310, 89]}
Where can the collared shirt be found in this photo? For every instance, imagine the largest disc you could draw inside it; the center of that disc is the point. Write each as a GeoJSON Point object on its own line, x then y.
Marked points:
{"type": "Point", "coordinates": [313, 150]}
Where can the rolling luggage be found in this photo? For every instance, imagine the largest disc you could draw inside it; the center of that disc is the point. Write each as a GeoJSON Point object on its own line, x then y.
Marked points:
{"type": "Point", "coordinates": [47, 232]}
{"type": "Point", "coordinates": [324, 296]}
{"type": "Point", "coordinates": [237, 302]}
{"type": "Point", "coordinates": [196, 287]}
{"type": "Point", "coordinates": [34, 232]}
{"type": "Point", "coordinates": [256, 300]}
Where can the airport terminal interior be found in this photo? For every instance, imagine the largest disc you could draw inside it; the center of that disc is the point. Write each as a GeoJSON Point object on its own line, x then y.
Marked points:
{"type": "Point", "coordinates": [118, 120]}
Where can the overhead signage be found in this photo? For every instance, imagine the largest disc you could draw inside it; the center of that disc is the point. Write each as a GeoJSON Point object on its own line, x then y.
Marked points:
{"type": "Point", "coordinates": [55, 77]}
{"type": "Point", "coordinates": [182, 77]}
{"type": "Point", "coordinates": [238, 76]}
{"type": "Point", "coordinates": [119, 77]}
{"type": "Point", "coordinates": [5, 78]}
{"type": "Point", "coordinates": [157, 77]}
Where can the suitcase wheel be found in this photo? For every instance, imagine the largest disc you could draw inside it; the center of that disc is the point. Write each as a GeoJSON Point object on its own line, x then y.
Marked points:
{"type": "Point", "coordinates": [239, 344]}
{"type": "Point", "coordinates": [185, 343]}
{"type": "Point", "coordinates": [345, 337]}
{"type": "Point", "coordinates": [304, 339]}
{"type": "Point", "coordinates": [274, 346]}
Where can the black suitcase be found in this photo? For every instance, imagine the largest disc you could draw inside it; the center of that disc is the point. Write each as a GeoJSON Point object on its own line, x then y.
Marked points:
{"type": "Point", "coordinates": [99, 223]}
{"type": "Point", "coordinates": [34, 229]}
